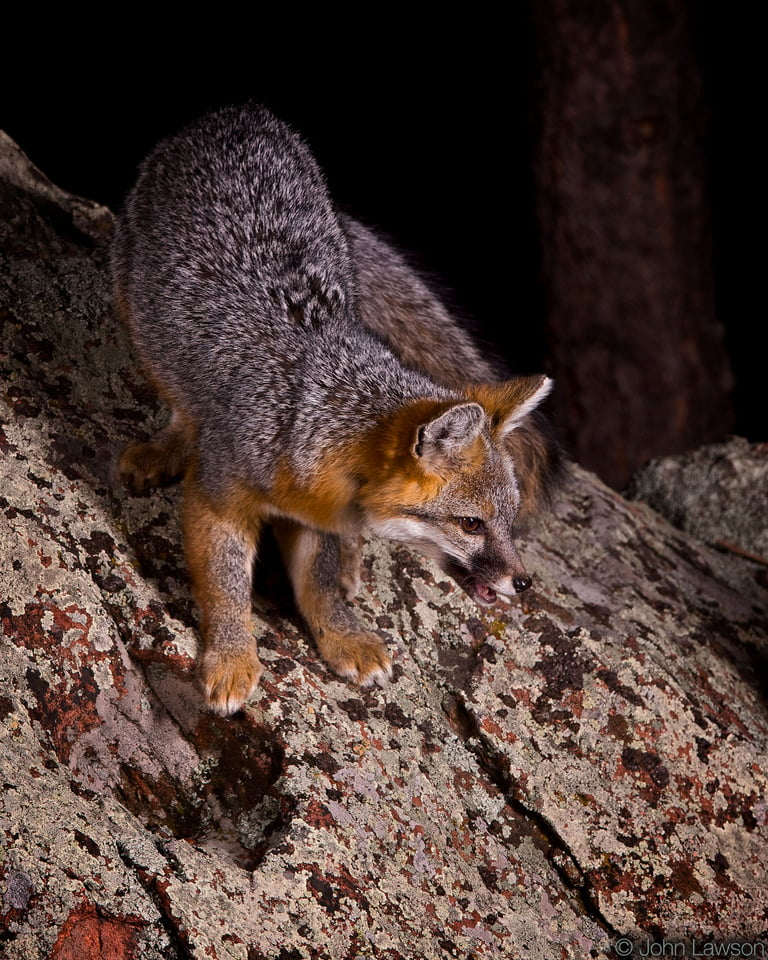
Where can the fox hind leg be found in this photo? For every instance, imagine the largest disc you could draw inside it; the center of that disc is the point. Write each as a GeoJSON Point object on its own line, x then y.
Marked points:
{"type": "Point", "coordinates": [220, 557]}
{"type": "Point", "coordinates": [166, 457]}
{"type": "Point", "coordinates": [158, 461]}
{"type": "Point", "coordinates": [313, 561]}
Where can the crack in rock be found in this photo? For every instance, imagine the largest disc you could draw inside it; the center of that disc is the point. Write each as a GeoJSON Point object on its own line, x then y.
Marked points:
{"type": "Point", "coordinates": [496, 766]}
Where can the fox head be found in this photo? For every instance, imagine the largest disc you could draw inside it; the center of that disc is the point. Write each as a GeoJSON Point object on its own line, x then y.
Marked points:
{"type": "Point", "coordinates": [444, 483]}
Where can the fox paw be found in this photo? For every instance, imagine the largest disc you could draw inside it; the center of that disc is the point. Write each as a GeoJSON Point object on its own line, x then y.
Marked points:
{"type": "Point", "coordinates": [361, 658]}
{"type": "Point", "coordinates": [228, 679]}
{"type": "Point", "coordinates": [145, 465]}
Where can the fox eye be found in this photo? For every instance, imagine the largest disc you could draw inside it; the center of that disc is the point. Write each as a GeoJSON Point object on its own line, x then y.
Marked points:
{"type": "Point", "coordinates": [471, 524]}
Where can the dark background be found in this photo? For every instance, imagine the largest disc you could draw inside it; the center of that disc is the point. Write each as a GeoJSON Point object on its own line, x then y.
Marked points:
{"type": "Point", "coordinates": [428, 132]}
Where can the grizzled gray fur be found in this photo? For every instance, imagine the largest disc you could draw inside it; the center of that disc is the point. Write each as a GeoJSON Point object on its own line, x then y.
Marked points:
{"type": "Point", "coordinates": [248, 301]}
{"type": "Point", "coordinates": [316, 383]}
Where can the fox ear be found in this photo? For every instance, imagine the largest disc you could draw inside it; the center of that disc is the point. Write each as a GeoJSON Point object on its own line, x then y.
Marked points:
{"type": "Point", "coordinates": [441, 442]}
{"type": "Point", "coordinates": [508, 404]}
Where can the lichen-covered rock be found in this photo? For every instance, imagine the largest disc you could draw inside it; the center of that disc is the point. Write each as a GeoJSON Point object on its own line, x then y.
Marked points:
{"type": "Point", "coordinates": [536, 781]}
{"type": "Point", "coordinates": [718, 493]}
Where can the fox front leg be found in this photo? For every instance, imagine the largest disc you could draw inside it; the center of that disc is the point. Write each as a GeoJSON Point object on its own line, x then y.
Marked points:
{"type": "Point", "coordinates": [313, 561]}
{"type": "Point", "coordinates": [350, 562]}
{"type": "Point", "coordinates": [220, 558]}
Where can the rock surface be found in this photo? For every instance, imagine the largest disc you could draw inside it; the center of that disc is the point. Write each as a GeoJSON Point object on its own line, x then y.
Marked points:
{"type": "Point", "coordinates": [718, 493]}
{"type": "Point", "coordinates": [538, 780]}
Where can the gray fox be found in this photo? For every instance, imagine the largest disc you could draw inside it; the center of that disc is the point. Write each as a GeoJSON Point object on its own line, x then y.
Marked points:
{"type": "Point", "coordinates": [316, 383]}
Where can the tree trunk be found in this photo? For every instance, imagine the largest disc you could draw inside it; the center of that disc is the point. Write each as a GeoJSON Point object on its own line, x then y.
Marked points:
{"type": "Point", "coordinates": [635, 343]}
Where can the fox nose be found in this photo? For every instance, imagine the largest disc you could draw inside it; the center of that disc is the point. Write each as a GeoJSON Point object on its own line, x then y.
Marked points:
{"type": "Point", "coordinates": [521, 583]}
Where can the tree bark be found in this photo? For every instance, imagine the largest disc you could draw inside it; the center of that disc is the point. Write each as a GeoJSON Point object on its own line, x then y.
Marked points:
{"type": "Point", "coordinates": [634, 340]}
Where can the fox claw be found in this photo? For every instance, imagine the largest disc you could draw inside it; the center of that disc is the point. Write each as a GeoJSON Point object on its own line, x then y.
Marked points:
{"type": "Point", "coordinates": [362, 659]}
{"type": "Point", "coordinates": [378, 677]}
{"type": "Point", "coordinates": [229, 679]}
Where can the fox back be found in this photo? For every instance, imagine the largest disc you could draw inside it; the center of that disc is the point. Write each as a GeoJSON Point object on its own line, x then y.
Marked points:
{"type": "Point", "coordinates": [242, 296]}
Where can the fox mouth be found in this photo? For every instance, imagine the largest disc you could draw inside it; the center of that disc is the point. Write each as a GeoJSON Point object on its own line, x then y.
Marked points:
{"type": "Point", "coordinates": [481, 592]}
{"type": "Point", "coordinates": [486, 596]}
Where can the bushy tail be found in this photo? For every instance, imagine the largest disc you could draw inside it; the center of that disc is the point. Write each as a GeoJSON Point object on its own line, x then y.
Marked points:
{"type": "Point", "coordinates": [540, 464]}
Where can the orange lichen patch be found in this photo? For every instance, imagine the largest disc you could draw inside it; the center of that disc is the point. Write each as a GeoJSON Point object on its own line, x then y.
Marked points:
{"type": "Point", "coordinates": [489, 725]}
{"type": "Point", "coordinates": [87, 935]}
{"type": "Point", "coordinates": [44, 624]}
{"type": "Point", "coordinates": [66, 710]}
